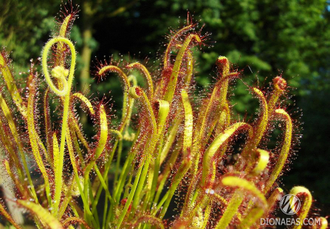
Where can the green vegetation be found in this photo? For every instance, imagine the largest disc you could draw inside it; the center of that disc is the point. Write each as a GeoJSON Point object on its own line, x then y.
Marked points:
{"type": "Point", "coordinates": [191, 142]}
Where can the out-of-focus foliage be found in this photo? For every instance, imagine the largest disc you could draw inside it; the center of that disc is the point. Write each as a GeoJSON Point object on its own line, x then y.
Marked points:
{"type": "Point", "coordinates": [19, 33]}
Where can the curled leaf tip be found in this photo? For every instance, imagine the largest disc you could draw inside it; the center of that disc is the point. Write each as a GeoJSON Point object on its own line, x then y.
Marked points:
{"type": "Point", "coordinates": [305, 199]}
{"type": "Point", "coordinates": [146, 74]}
{"type": "Point", "coordinates": [284, 153]}
{"type": "Point", "coordinates": [263, 159]}
{"type": "Point", "coordinates": [223, 63]}
{"type": "Point", "coordinates": [279, 83]}
{"type": "Point", "coordinates": [135, 92]}
{"type": "Point", "coordinates": [59, 72]}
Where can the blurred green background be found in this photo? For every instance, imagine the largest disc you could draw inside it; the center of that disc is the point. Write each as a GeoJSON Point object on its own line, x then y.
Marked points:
{"type": "Point", "coordinates": [262, 38]}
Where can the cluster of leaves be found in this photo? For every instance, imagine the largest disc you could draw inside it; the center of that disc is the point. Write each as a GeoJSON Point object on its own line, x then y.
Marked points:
{"type": "Point", "coordinates": [266, 38]}
{"type": "Point", "coordinates": [183, 145]}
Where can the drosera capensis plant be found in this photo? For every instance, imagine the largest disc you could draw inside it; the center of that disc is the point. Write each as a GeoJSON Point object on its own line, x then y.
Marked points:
{"type": "Point", "coordinates": [180, 146]}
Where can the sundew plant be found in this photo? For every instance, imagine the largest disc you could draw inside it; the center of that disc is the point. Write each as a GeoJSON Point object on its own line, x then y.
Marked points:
{"type": "Point", "coordinates": [186, 147]}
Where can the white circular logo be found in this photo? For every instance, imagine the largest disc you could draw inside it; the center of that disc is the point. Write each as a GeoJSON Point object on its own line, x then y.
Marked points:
{"type": "Point", "coordinates": [290, 204]}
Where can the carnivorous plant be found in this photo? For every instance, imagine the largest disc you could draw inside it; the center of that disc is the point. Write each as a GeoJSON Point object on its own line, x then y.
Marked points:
{"type": "Point", "coordinates": [182, 146]}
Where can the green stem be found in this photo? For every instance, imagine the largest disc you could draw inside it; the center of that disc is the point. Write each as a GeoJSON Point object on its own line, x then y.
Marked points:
{"type": "Point", "coordinates": [130, 197]}
{"type": "Point", "coordinates": [65, 92]}
{"type": "Point", "coordinates": [137, 197]}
